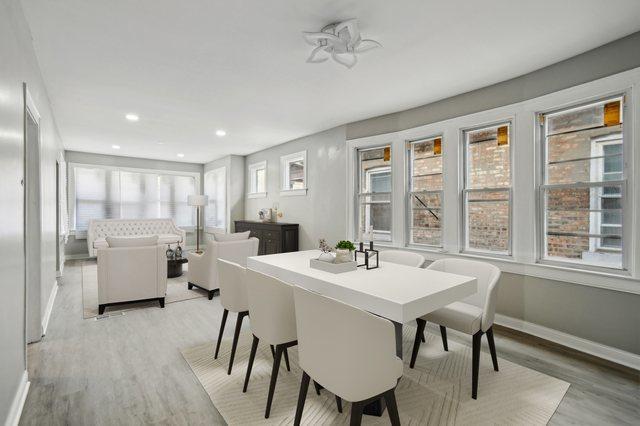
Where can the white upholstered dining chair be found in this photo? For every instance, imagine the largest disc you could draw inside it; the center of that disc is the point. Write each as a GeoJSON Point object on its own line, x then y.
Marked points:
{"type": "Point", "coordinates": [473, 315]}
{"type": "Point", "coordinates": [233, 297]}
{"type": "Point", "coordinates": [203, 267]}
{"type": "Point", "coordinates": [348, 351]}
{"type": "Point", "coordinates": [402, 257]}
{"type": "Point", "coordinates": [273, 321]}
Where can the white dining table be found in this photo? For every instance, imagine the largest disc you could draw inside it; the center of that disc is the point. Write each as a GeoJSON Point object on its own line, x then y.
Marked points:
{"type": "Point", "coordinates": [397, 292]}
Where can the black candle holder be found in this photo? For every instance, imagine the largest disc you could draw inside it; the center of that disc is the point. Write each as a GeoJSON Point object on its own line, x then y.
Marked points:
{"type": "Point", "coordinates": [368, 255]}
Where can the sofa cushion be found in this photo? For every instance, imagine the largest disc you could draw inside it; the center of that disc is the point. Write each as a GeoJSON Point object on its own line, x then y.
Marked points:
{"type": "Point", "coordinates": [132, 241]}
{"type": "Point", "coordinates": [232, 237]}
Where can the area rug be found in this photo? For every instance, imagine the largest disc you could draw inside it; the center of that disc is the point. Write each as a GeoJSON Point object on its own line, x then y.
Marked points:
{"type": "Point", "coordinates": [177, 291]}
{"type": "Point", "coordinates": [437, 391]}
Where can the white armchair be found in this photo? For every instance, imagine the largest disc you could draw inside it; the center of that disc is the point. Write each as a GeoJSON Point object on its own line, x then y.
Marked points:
{"type": "Point", "coordinates": [203, 268]}
{"type": "Point", "coordinates": [130, 274]}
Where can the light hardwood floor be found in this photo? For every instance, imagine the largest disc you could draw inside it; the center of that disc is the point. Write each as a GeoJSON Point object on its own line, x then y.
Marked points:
{"type": "Point", "coordinates": [128, 369]}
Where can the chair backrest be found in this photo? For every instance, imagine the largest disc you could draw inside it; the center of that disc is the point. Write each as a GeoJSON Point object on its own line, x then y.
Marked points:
{"type": "Point", "coordinates": [233, 286]}
{"type": "Point", "coordinates": [350, 352]}
{"type": "Point", "coordinates": [487, 276]}
{"type": "Point", "coordinates": [233, 251]}
{"type": "Point", "coordinates": [131, 273]}
{"type": "Point", "coordinates": [402, 257]}
{"type": "Point", "coordinates": [273, 315]}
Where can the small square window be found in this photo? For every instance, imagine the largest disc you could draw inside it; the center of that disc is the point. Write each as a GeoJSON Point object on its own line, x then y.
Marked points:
{"type": "Point", "coordinates": [258, 180]}
{"type": "Point", "coordinates": [293, 169]}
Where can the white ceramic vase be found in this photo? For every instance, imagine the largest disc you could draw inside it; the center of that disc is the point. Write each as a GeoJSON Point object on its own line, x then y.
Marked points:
{"type": "Point", "coordinates": [343, 255]}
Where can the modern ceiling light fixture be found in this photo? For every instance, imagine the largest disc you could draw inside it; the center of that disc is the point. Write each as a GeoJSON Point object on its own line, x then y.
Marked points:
{"type": "Point", "coordinates": [220, 133]}
{"type": "Point", "coordinates": [341, 41]}
{"type": "Point", "coordinates": [132, 117]}
{"type": "Point", "coordinates": [181, 155]}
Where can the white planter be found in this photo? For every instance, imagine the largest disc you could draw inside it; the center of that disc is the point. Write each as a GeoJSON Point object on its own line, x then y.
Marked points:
{"type": "Point", "coordinates": [343, 255]}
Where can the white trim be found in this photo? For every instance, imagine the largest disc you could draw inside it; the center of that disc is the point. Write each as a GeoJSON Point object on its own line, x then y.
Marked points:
{"type": "Point", "coordinates": [15, 411]}
{"type": "Point", "coordinates": [525, 148]}
{"type": "Point", "coordinates": [49, 308]}
{"type": "Point", "coordinates": [293, 192]}
{"type": "Point", "coordinates": [590, 347]}
{"type": "Point", "coordinates": [251, 170]}
{"type": "Point", "coordinates": [284, 173]}
{"type": "Point", "coordinates": [257, 195]}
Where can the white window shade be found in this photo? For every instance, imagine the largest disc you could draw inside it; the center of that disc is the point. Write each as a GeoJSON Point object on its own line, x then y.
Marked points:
{"type": "Point", "coordinates": [108, 193]}
{"type": "Point", "coordinates": [215, 186]}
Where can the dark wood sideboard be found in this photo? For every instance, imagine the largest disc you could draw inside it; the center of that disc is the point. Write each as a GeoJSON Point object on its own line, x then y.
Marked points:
{"type": "Point", "coordinates": [275, 237]}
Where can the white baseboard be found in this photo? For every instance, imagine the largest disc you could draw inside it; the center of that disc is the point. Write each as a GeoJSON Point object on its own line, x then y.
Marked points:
{"type": "Point", "coordinates": [49, 308]}
{"type": "Point", "coordinates": [15, 411]}
{"type": "Point", "coordinates": [590, 347]}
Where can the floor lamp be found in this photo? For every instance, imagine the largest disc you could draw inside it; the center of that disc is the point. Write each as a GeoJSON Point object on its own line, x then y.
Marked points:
{"type": "Point", "coordinates": [197, 201]}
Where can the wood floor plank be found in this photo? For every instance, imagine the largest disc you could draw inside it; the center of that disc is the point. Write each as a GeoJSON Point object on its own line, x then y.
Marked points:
{"type": "Point", "coordinates": [128, 369]}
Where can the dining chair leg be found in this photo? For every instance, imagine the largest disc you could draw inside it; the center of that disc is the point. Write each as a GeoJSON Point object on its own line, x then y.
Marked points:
{"type": "Point", "coordinates": [339, 404]}
{"type": "Point", "coordinates": [392, 406]}
{"type": "Point", "coordinates": [492, 348]}
{"type": "Point", "coordinates": [317, 387]}
{"type": "Point", "coordinates": [443, 333]}
{"type": "Point", "coordinates": [273, 351]}
{"type": "Point", "coordinates": [416, 344]}
{"type": "Point", "coordinates": [302, 397]}
{"type": "Point", "coordinates": [356, 413]}
{"type": "Point", "coordinates": [477, 338]}
{"type": "Point", "coordinates": [236, 336]}
{"type": "Point", "coordinates": [274, 378]}
{"type": "Point", "coordinates": [224, 321]}
{"type": "Point", "coordinates": [286, 359]}
{"type": "Point", "coordinates": [252, 356]}
{"type": "Point", "coordinates": [423, 337]}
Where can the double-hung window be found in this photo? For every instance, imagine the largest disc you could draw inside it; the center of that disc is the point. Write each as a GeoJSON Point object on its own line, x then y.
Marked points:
{"type": "Point", "coordinates": [373, 203]}
{"type": "Point", "coordinates": [583, 184]}
{"type": "Point", "coordinates": [425, 192]}
{"type": "Point", "coordinates": [257, 180]}
{"type": "Point", "coordinates": [215, 187]}
{"type": "Point", "coordinates": [293, 173]}
{"type": "Point", "coordinates": [487, 189]}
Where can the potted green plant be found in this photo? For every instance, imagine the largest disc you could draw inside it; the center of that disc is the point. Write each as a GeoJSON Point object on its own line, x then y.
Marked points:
{"type": "Point", "coordinates": [343, 251]}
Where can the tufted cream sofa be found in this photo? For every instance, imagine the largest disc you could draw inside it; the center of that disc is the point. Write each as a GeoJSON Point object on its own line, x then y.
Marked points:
{"type": "Point", "coordinates": [165, 229]}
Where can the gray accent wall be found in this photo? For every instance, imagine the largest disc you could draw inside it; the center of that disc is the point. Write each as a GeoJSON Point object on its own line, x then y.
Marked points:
{"type": "Point", "coordinates": [77, 248]}
{"type": "Point", "coordinates": [18, 64]}
{"type": "Point", "coordinates": [321, 213]}
{"type": "Point", "coordinates": [620, 55]}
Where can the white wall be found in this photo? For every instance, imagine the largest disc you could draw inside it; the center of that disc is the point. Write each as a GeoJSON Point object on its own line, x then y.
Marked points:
{"type": "Point", "coordinates": [18, 64]}
{"type": "Point", "coordinates": [321, 212]}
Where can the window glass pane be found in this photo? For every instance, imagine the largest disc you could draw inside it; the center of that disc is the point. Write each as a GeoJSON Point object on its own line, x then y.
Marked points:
{"type": "Point", "coordinates": [215, 188]}
{"type": "Point", "coordinates": [488, 220]}
{"type": "Point", "coordinates": [97, 195]}
{"type": "Point", "coordinates": [174, 191]}
{"type": "Point", "coordinates": [260, 180]}
{"type": "Point", "coordinates": [374, 211]}
{"type": "Point", "coordinates": [488, 163]}
{"type": "Point", "coordinates": [296, 174]}
{"type": "Point", "coordinates": [139, 195]}
{"type": "Point", "coordinates": [425, 222]}
{"type": "Point", "coordinates": [584, 223]}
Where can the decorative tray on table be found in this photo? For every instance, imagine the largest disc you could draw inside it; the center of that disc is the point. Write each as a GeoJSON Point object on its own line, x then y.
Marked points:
{"type": "Point", "coordinates": [334, 268]}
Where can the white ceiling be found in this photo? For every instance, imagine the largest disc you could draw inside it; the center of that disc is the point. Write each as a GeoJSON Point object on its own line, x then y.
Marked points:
{"type": "Point", "coordinates": [190, 67]}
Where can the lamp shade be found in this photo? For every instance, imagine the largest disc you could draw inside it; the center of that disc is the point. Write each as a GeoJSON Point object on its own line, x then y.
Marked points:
{"type": "Point", "coordinates": [197, 200]}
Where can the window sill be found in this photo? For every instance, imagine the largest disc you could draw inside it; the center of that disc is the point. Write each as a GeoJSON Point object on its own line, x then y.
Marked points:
{"type": "Point", "coordinates": [622, 282]}
{"type": "Point", "coordinates": [257, 195]}
{"type": "Point", "coordinates": [293, 192]}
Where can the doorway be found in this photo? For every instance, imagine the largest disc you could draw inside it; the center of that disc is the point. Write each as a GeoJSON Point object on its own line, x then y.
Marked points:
{"type": "Point", "coordinates": [32, 219]}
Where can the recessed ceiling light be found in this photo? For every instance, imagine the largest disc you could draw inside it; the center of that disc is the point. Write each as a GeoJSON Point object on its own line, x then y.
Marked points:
{"type": "Point", "coordinates": [115, 146]}
{"type": "Point", "coordinates": [132, 117]}
{"type": "Point", "coordinates": [220, 133]}
{"type": "Point", "coordinates": [160, 143]}
{"type": "Point", "coordinates": [181, 155]}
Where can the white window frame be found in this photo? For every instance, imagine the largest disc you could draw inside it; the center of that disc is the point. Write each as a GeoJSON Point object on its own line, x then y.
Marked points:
{"type": "Point", "coordinates": [71, 193]}
{"type": "Point", "coordinates": [525, 147]}
{"type": "Point", "coordinates": [542, 258]}
{"type": "Point", "coordinates": [252, 171]}
{"type": "Point", "coordinates": [285, 160]}
{"type": "Point", "coordinates": [226, 226]}
{"type": "Point", "coordinates": [464, 168]}
{"type": "Point", "coordinates": [597, 145]}
{"type": "Point", "coordinates": [376, 171]}
{"type": "Point", "coordinates": [411, 192]}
